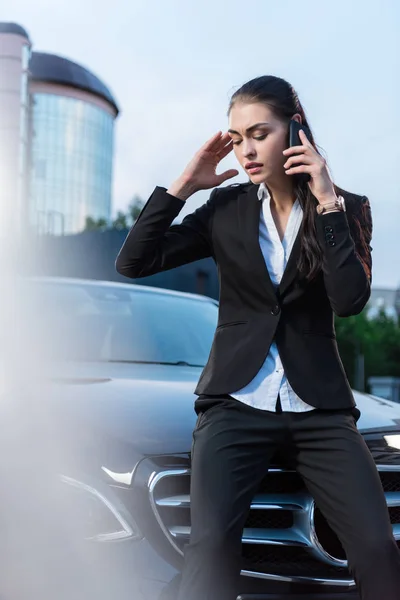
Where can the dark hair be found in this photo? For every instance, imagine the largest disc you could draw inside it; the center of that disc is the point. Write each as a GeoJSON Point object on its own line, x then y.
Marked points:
{"type": "Point", "coordinates": [280, 96]}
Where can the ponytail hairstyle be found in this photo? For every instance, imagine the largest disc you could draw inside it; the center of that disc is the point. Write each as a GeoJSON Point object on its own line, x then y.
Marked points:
{"type": "Point", "coordinates": [283, 100]}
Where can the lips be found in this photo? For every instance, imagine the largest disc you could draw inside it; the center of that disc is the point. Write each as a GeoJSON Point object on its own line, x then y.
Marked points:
{"type": "Point", "coordinates": [252, 165]}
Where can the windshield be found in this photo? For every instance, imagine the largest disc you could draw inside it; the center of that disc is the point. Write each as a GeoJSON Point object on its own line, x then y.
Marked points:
{"type": "Point", "coordinates": [103, 323]}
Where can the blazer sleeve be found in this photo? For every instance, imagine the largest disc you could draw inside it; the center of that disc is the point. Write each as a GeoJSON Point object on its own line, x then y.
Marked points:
{"type": "Point", "coordinates": [154, 245]}
{"type": "Point", "coordinates": [345, 238]}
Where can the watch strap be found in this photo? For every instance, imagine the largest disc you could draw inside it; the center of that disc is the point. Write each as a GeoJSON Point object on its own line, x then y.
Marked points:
{"type": "Point", "coordinates": [337, 204]}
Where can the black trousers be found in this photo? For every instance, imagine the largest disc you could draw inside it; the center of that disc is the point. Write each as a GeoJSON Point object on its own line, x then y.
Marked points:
{"type": "Point", "coordinates": [232, 447]}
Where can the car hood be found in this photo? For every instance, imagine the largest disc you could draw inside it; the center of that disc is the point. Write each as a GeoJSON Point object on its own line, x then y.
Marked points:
{"type": "Point", "coordinates": [151, 407]}
{"type": "Point", "coordinates": [147, 407]}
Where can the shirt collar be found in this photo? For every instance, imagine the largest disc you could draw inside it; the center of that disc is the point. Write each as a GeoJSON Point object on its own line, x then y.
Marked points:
{"type": "Point", "coordinates": [263, 194]}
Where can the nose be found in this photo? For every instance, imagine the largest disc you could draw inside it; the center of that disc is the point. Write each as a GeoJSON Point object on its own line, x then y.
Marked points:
{"type": "Point", "coordinates": [248, 149]}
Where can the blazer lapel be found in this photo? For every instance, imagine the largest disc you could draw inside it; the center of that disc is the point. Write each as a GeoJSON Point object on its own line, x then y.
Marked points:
{"type": "Point", "coordinates": [249, 208]}
{"type": "Point", "coordinates": [290, 273]}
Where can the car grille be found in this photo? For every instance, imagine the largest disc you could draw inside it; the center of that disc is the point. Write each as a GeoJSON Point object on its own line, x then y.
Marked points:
{"type": "Point", "coordinates": [285, 535]}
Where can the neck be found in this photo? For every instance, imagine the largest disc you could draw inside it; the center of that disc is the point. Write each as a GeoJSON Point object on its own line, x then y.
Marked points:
{"type": "Point", "coordinates": [282, 195]}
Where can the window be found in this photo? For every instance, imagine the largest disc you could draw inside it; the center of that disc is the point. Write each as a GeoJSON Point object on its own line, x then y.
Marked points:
{"type": "Point", "coordinates": [26, 56]}
{"type": "Point", "coordinates": [89, 322]}
{"type": "Point", "coordinates": [24, 89]}
{"type": "Point", "coordinates": [75, 140]}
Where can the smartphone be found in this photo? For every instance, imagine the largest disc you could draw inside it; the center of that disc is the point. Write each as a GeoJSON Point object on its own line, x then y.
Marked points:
{"type": "Point", "coordinates": [294, 140]}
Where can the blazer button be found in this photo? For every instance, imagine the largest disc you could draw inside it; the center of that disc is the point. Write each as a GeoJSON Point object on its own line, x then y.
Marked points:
{"type": "Point", "coordinates": [275, 310]}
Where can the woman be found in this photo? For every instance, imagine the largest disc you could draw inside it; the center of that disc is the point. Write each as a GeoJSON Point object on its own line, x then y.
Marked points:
{"type": "Point", "coordinates": [290, 255]}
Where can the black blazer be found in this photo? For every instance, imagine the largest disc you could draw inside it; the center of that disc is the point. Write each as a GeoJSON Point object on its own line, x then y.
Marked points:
{"type": "Point", "coordinates": [299, 314]}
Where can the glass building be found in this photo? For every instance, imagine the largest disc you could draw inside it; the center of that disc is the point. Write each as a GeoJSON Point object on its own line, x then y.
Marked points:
{"type": "Point", "coordinates": [15, 51]}
{"type": "Point", "coordinates": [73, 117]}
{"type": "Point", "coordinates": [56, 140]}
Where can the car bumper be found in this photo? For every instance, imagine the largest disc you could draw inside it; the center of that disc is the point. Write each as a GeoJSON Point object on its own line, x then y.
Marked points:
{"type": "Point", "coordinates": [323, 596]}
{"type": "Point", "coordinates": [134, 570]}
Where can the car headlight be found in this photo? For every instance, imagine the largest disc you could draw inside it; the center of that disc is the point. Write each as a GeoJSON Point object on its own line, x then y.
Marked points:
{"type": "Point", "coordinates": [384, 447]}
{"type": "Point", "coordinates": [393, 440]}
{"type": "Point", "coordinates": [96, 516]}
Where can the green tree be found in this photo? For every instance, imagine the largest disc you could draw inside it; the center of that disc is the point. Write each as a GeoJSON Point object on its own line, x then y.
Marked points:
{"type": "Point", "coordinates": [383, 350]}
{"type": "Point", "coordinates": [121, 221]}
{"type": "Point", "coordinates": [135, 208]}
{"type": "Point", "coordinates": [95, 224]}
{"type": "Point", "coordinates": [377, 339]}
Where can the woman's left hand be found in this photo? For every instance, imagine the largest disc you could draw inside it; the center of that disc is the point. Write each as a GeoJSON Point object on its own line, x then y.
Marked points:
{"type": "Point", "coordinates": [309, 161]}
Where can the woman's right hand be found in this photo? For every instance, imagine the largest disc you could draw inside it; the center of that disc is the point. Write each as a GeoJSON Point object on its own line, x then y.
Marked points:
{"type": "Point", "coordinates": [200, 173]}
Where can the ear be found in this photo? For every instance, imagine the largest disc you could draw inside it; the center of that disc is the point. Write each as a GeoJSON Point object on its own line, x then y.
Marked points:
{"type": "Point", "coordinates": [297, 117]}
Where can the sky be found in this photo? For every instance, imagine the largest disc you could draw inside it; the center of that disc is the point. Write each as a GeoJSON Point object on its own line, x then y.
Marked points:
{"type": "Point", "coordinates": [172, 66]}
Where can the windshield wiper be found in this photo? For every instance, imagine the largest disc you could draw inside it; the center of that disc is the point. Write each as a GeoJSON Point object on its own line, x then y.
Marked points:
{"type": "Point", "coordinates": [178, 363]}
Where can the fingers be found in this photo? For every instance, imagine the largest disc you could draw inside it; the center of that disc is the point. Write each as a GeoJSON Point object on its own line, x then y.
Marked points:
{"type": "Point", "coordinates": [227, 175]}
{"type": "Point", "coordinates": [209, 144]}
{"type": "Point", "coordinates": [299, 158]}
{"type": "Point", "coordinates": [305, 148]}
{"type": "Point", "coordinates": [296, 150]}
{"type": "Point", "coordinates": [216, 142]}
{"type": "Point", "coordinates": [300, 169]}
{"type": "Point", "coordinates": [225, 150]}
{"type": "Point", "coordinates": [304, 138]}
{"type": "Point", "coordinates": [220, 144]}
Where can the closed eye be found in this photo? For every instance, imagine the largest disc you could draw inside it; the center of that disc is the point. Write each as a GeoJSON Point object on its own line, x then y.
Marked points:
{"type": "Point", "coordinates": [258, 138]}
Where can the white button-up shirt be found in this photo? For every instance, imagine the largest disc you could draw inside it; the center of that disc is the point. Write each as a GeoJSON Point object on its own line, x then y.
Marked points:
{"type": "Point", "coordinates": [262, 392]}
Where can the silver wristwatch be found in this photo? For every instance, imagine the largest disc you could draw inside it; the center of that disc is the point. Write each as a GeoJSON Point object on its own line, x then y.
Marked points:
{"type": "Point", "coordinates": [337, 204]}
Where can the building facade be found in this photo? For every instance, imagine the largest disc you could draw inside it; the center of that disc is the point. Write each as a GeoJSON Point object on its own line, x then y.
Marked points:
{"type": "Point", "coordinates": [15, 52]}
{"type": "Point", "coordinates": [73, 117]}
{"type": "Point", "coordinates": [62, 135]}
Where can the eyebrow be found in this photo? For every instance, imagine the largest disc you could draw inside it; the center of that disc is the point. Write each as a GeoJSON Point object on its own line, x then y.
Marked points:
{"type": "Point", "coordinates": [249, 129]}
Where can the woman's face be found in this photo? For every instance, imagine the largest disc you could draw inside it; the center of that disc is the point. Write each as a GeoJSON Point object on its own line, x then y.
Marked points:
{"type": "Point", "coordinates": [259, 139]}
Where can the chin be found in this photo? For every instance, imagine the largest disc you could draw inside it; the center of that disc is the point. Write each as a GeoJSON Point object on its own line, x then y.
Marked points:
{"type": "Point", "coordinates": [257, 178]}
